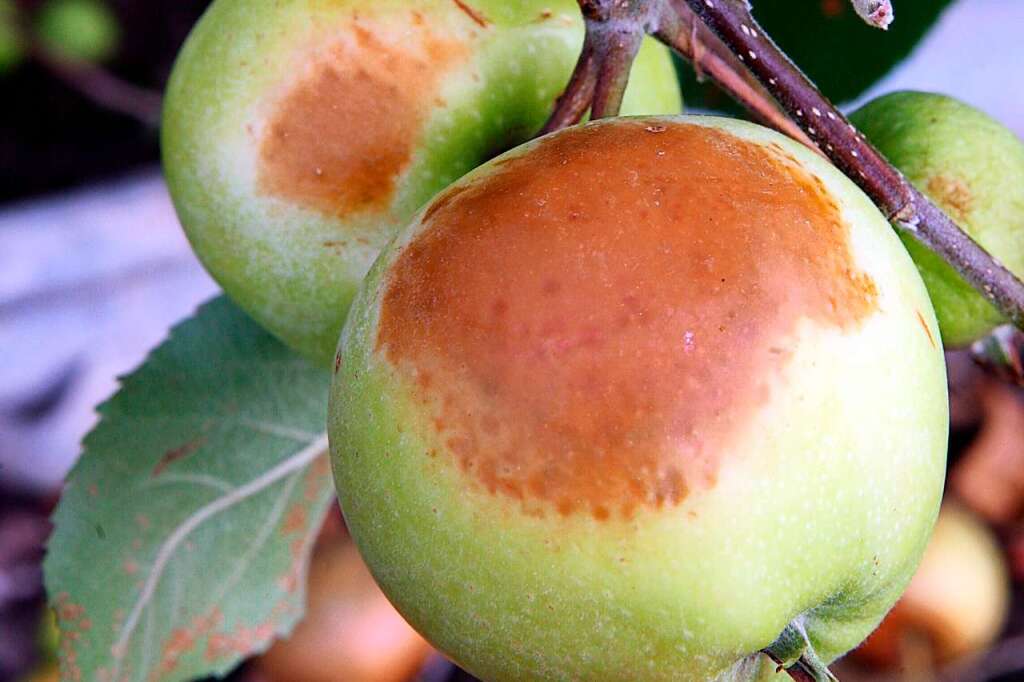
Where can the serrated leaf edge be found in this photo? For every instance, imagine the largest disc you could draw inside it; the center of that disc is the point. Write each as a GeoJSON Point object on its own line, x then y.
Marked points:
{"type": "Point", "coordinates": [293, 463]}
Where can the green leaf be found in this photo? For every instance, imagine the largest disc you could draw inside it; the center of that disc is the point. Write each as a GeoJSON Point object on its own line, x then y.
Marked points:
{"type": "Point", "coordinates": [181, 541]}
{"type": "Point", "coordinates": [831, 44]}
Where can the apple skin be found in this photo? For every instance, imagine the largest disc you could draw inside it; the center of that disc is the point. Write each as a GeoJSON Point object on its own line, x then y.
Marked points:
{"type": "Point", "coordinates": [972, 166]}
{"type": "Point", "coordinates": [958, 600]}
{"type": "Point", "coordinates": [299, 136]}
{"type": "Point", "coordinates": [815, 508]}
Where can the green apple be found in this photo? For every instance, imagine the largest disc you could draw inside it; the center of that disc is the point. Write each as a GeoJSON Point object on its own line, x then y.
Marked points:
{"type": "Point", "coordinates": [299, 136]}
{"type": "Point", "coordinates": [637, 400]}
{"type": "Point", "coordinates": [12, 49]}
{"type": "Point", "coordinates": [82, 30]}
{"type": "Point", "coordinates": [973, 168]}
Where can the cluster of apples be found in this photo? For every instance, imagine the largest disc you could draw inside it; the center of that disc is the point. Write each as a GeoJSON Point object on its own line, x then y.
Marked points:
{"type": "Point", "coordinates": [643, 398]}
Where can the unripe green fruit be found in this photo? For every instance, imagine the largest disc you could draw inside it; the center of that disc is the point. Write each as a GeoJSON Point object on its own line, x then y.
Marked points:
{"type": "Point", "coordinates": [626, 401]}
{"type": "Point", "coordinates": [299, 136]}
{"type": "Point", "coordinates": [12, 51]}
{"type": "Point", "coordinates": [973, 168]}
{"type": "Point", "coordinates": [84, 30]}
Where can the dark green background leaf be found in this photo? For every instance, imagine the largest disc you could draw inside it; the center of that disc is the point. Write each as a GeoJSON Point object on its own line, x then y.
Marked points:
{"type": "Point", "coordinates": [182, 538]}
{"type": "Point", "coordinates": [831, 44]}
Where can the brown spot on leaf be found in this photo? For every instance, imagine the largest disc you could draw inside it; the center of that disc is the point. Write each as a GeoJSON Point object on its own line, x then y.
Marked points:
{"type": "Point", "coordinates": [70, 619]}
{"type": "Point", "coordinates": [317, 477]}
{"type": "Point", "coordinates": [342, 134]}
{"type": "Point", "coordinates": [953, 194]}
{"type": "Point", "coordinates": [680, 279]}
{"type": "Point", "coordinates": [174, 454]}
{"type": "Point", "coordinates": [183, 640]}
{"type": "Point", "coordinates": [242, 642]}
{"type": "Point", "coordinates": [478, 18]}
{"type": "Point", "coordinates": [294, 520]}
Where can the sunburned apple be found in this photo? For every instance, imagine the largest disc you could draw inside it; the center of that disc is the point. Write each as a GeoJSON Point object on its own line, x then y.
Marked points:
{"type": "Point", "coordinates": [639, 400]}
{"type": "Point", "coordinates": [973, 167]}
{"type": "Point", "coordinates": [299, 136]}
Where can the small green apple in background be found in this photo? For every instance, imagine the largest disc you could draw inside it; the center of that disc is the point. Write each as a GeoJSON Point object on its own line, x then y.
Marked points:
{"type": "Point", "coordinates": [12, 51]}
{"type": "Point", "coordinates": [633, 399]}
{"type": "Point", "coordinates": [83, 30]}
{"type": "Point", "coordinates": [973, 168]}
{"type": "Point", "coordinates": [299, 136]}
{"type": "Point", "coordinates": [957, 602]}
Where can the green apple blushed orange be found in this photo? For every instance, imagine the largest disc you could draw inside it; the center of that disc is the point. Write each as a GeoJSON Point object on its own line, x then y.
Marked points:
{"type": "Point", "coordinates": [631, 398]}
{"type": "Point", "coordinates": [299, 136]}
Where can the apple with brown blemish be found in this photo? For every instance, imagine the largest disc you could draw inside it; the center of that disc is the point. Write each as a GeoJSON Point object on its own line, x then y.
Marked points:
{"type": "Point", "coordinates": [641, 399]}
{"type": "Point", "coordinates": [300, 136]}
{"type": "Point", "coordinates": [972, 166]}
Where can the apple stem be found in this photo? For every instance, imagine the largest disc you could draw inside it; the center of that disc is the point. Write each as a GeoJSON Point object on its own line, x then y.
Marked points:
{"type": "Point", "coordinates": [721, 38]}
{"type": "Point", "coordinates": [792, 652]}
{"type": "Point", "coordinates": [573, 104]}
{"type": "Point", "coordinates": [682, 31]}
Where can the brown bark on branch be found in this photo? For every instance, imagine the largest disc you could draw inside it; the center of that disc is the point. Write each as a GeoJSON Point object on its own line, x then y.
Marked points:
{"type": "Point", "coordinates": [900, 201]}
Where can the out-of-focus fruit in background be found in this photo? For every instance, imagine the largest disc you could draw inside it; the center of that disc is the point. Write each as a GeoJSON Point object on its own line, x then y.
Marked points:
{"type": "Point", "coordinates": [11, 48]}
{"type": "Point", "coordinates": [956, 604]}
{"type": "Point", "coordinates": [350, 632]}
{"type": "Point", "coordinates": [972, 166]}
{"type": "Point", "coordinates": [82, 30]}
{"type": "Point", "coordinates": [989, 477]}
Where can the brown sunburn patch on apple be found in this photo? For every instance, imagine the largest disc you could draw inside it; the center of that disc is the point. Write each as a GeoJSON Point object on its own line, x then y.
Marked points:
{"type": "Point", "coordinates": [589, 325]}
{"type": "Point", "coordinates": [345, 130]}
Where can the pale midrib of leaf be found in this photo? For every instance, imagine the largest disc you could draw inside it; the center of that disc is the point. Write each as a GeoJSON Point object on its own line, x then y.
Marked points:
{"type": "Point", "coordinates": [293, 463]}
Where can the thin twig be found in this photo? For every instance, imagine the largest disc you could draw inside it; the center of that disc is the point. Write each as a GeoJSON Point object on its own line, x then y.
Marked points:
{"type": "Point", "coordinates": [688, 36]}
{"type": "Point", "coordinates": [101, 86]}
{"type": "Point", "coordinates": [766, 81]}
{"type": "Point", "coordinates": [902, 203]}
{"type": "Point", "coordinates": [613, 74]}
{"type": "Point", "coordinates": [573, 104]}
